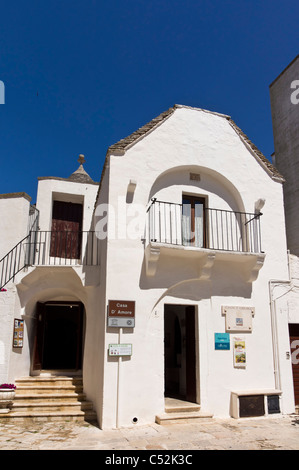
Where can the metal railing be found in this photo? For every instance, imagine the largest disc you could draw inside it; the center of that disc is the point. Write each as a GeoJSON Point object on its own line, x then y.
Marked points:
{"type": "Point", "coordinates": [50, 248]}
{"type": "Point", "coordinates": [13, 262]}
{"type": "Point", "coordinates": [216, 229]}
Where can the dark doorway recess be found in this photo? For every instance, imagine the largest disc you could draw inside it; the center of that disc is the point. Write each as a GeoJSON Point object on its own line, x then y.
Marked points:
{"type": "Point", "coordinates": [59, 332]}
{"type": "Point", "coordinates": [294, 345]}
{"type": "Point", "coordinates": [180, 352]}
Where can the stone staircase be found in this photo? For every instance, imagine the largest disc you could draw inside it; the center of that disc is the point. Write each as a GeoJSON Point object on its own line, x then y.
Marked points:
{"type": "Point", "coordinates": [179, 411]}
{"type": "Point", "coordinates": [53, 398]}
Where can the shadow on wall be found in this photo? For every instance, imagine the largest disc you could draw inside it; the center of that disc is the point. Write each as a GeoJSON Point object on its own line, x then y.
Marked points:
{"type": "Point", "coordinates": [176, 284]}
{"type": "Point", "coordinates": [209, 181]}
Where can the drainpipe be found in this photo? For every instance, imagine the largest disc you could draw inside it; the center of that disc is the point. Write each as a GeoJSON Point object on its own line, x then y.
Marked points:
{"type": "Point", "coordinates": [272, 284]}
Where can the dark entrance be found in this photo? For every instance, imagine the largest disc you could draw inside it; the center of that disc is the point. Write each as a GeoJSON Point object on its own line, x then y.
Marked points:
{"type": "Point", "coordinates": [294, 343]}
{"type": "Point", "coordinates": [58, 341]}
{"type": "Point", "coordinates": [180, 352]}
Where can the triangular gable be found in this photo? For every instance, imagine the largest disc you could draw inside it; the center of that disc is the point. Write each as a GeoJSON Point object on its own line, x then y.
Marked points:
{"type": "Point", "coordinates": [120, 147]}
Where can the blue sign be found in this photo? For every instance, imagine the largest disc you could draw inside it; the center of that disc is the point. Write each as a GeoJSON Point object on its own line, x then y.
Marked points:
{"type": "Point", "coordinates": [222, 341]}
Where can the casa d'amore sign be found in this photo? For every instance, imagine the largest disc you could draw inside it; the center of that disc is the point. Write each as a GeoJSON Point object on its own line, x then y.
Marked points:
{"type": "Point", "coordinates": [121, 313]}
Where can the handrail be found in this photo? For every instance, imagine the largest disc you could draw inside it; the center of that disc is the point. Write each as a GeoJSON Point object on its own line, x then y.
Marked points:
{"type": "Point", "coordinates": [217, 229]}
{"type": "Point", "coordinates": [13, 262]}
{"type": "Point", "coordinates": [54, 248]}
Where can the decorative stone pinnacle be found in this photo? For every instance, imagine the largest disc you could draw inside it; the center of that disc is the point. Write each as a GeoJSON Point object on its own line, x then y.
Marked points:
{"type": "Point", "coordinates": [81, 159]}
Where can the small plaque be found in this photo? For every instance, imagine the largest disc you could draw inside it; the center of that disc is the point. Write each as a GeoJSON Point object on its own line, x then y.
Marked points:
{"type": "Point", "coordinates": [238, 318]}
{"type": "Point", "coordinates": [120, 349]}
{"type": "Point", "coordinates": [222, 341]}
{"type": "Point", "coordinates": [121, 322]}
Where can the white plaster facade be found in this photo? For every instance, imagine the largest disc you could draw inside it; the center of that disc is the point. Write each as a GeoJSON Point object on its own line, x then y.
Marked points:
{"type": "Point", "coordinates": [185, 152]}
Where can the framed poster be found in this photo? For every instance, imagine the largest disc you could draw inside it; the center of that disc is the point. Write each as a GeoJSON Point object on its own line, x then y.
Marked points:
{"type": "Point", "coordinates": [239, 352]}
{"type": "Point", "coordinates": [18, 333]}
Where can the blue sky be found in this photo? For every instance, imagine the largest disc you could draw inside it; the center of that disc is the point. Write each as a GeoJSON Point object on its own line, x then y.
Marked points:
{"type": "Point", "coordinates": [80, 75]}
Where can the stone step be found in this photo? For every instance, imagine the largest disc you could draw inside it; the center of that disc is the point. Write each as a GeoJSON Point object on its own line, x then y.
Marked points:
{"type": "Point", "coordinates": [25, 406]}
{"type": "Point", "coordinates": [40, 385]}
{"type": "Point", "coordinates": [49, 380]}
{"type": "Point", "coordinates": [42, 397]}
{"type": "Point", "coordinates": [50, 398]}
{"type": "Point", "coordinates": [181, 407]}
{"type": "Point", "coordinates": [45, 390]}
{"type": "Point", "coordinates": [182, 417]}
{"type": "Point", "coordinates": [37, 416]}
{"type": "Point", "coordinates": [181, 411]}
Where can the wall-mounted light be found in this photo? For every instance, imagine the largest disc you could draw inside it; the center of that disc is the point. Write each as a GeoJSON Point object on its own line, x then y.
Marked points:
{"type": "Point", "coordinates": [130, 191]}
{"type": "Point", "coordinates": [259, 204]}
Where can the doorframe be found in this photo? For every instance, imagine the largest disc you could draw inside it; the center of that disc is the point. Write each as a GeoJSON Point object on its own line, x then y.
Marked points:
{"type": "Point", "coordinates": [39, 339]}
{"type": "Point", "coordinates": [192, 393]}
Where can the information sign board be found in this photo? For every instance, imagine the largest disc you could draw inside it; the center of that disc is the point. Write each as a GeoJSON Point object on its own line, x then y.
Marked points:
{"type": "Point", "coordinates": [222, 341]}
{"type": "Point", "coordinates": [120, 349]}
{"type": "Point", "coordinates": [121, 313]}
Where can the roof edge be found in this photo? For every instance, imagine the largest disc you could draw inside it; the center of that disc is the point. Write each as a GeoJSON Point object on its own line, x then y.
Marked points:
{"type": "Point", "coordinates": [120, 147]}
{"type": "Point", "coordinates": [284, 70]}
{"type": "Point", "coordinates": [268, 166]}
{"type": "Point", "coordinates": [41, 178]}
{"type": "Point", "coordinates": [15, 195]}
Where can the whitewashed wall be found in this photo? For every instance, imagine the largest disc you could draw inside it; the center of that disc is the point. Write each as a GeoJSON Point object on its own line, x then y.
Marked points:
{"type": "Point", "coordinates": [231, 177]}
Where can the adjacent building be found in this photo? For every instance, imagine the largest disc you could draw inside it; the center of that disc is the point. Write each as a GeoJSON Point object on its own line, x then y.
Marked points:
{"type": "Point", "coordinates": [284, 95]}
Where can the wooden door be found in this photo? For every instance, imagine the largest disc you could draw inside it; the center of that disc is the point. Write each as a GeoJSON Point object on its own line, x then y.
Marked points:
{"type": "Point", "coordinates": [66, 231]}
{"type": "Point", "coordinates": [294, 342]}
{"type": "Point", "coordinates": [39, 337]}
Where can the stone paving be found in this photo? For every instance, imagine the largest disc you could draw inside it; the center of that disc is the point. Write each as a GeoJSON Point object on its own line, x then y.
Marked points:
{"type": "Point", "coordinates": [281, 433]}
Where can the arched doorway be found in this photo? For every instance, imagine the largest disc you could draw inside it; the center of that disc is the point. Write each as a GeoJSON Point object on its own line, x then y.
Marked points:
{"type": "Point", "coordinates": [59, 336]}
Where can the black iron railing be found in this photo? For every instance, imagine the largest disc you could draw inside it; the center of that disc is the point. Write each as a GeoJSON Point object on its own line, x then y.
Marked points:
{"type": "Point", "coordinates": [13, 262]}
{"type": "Point", "coordinates": [53, 248]}
{"type": "Point", "coordinates": [216, 229]}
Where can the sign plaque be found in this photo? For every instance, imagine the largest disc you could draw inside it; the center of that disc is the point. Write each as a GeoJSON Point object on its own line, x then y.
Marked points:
{"type": "Point", "coordinates": [120, 349]}
{"type": "Point", "coordinates": [222, 341]}
{"type": "Point", "coordinates": [121, 313]}
{"type": "Point", "coordinates": [238, 318]}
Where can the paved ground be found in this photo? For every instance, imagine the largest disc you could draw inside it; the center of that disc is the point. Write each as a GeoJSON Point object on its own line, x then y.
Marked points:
{"type": "Point", "coordinates": [280, 433]}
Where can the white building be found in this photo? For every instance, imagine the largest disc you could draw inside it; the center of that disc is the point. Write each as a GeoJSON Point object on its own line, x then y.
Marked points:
{"type": "Point", "coordinates": [171, 281]}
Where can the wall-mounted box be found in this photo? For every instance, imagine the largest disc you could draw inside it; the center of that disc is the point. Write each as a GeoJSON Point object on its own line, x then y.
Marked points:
{"type": "Point", "coordinates": [253, 403]}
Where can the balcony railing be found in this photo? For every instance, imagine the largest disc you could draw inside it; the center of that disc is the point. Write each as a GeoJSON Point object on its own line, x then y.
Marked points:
{"type": "Point", "coordinates": [63, 248]}
{"type": "Point", "coordinates": [216, 229]}
{"type": "Point", "coordinates": [50, 248]}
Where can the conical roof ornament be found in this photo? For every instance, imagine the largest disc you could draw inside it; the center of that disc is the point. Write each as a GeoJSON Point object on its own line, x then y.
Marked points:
{"type": "Point", "coordinates": [81, 159]}
{"type": "Point", "coordinates": [80, 174]}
